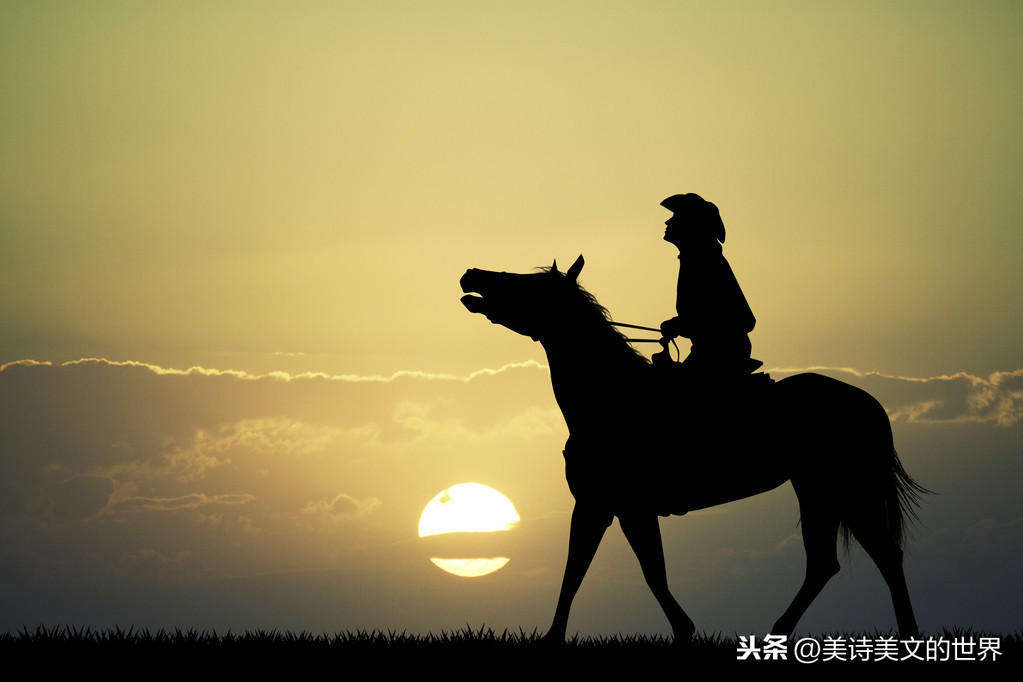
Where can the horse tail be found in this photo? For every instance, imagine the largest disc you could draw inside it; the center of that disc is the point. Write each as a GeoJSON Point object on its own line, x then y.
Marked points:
{"type": "Point", "coordinates": [902, 501]}
{"type": "Point", "coordinates": [887, 495]}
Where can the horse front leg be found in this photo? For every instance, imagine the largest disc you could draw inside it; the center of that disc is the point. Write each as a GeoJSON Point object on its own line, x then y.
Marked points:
{"type": "Point", "coordinates": [644, 535]}
{"type": "Point", "coordinates": [588, 526]}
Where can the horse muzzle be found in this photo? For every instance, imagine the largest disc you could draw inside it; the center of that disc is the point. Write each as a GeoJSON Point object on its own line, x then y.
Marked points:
{"type": "Point", "coordinates": [471, 283]}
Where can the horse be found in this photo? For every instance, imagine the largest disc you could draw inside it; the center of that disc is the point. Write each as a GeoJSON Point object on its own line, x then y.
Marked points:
{"type": "Point", "coordinates": [835, 445]}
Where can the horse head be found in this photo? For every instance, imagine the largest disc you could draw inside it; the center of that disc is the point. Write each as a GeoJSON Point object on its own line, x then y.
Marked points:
{"type": "Point", "coordinates": [528, 304]}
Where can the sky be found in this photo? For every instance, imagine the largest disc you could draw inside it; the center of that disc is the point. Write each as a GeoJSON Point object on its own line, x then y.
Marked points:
{"type": "Point", "coordinates": [233, 363]}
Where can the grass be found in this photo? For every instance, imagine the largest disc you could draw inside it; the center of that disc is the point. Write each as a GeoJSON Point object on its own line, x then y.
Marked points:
{"type": "Point", "coordinates": [258, 650]}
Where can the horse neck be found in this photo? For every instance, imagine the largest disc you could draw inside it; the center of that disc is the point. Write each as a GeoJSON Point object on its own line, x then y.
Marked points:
{"type": "Point", "coordinates": [592, 369]}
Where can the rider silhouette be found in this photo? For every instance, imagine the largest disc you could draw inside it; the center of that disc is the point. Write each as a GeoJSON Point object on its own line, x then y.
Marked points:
{"type": "Point", "coordinates": [712, 311]}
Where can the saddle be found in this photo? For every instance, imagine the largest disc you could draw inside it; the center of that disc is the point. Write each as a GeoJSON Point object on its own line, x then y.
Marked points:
{"type": "Point", "coordinates": [673, 371]}
{"type": "Point", "coordinates": [713, 402]}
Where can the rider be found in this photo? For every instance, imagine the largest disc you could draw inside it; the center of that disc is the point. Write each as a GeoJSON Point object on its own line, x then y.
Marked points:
{"type": "Point", "coordinates": [712, 311]}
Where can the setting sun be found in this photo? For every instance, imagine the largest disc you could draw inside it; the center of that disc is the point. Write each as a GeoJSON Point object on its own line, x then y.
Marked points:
{"type": "Point", "coordinates": [468, 508]}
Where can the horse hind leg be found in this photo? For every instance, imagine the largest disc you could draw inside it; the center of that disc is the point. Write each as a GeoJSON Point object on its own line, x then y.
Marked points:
{"type": "Point", "coordinates": [820, 535]}
{"type": "Point", "coordinates": [884, 551]}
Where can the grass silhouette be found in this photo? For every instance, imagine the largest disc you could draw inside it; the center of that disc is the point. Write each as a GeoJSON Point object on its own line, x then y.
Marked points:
{"type": "Point", "coordinates": [259, 649]}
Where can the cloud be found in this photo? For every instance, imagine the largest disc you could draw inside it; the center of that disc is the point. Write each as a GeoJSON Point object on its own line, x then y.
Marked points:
{"type": "Point", "coordinates": [207, 449]}
{"type": "Point", "coordinates": [957, 398]}
{"type": "Point", "coordinates": [23, 363]}
{"type": "Point", "coordinates": [133, 467]}
{"type": "Point", "coordinates": [282, 376]}
{"type": "Point", "coordinates": [342, 506]}
{"type": "Point", "coordinates": [193, 501]}
{"type": "Point", "coordinates": [161, 474]}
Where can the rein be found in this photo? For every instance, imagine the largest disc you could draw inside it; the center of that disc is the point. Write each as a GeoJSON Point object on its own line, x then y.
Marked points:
{"type": "Point", "coordinates": [636, 326]}
{"type": "Point", "coordinates": [663, 341]}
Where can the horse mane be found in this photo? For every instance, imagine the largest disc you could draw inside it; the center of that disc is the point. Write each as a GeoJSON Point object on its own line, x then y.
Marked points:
{"type": "Point", "coordinates": [593, 308]}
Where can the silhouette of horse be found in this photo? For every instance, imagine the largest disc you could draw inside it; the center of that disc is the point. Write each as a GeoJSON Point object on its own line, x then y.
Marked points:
{"type": "Point", "coordinates": [630, 455]}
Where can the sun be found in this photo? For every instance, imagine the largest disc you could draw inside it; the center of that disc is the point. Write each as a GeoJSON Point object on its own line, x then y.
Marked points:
{"type": "Point", "coordinates": [470, 568]}
{"type": "Point", "coordinates": [468, 508]}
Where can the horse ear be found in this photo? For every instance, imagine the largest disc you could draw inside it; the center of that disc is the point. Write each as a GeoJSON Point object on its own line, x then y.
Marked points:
{"type": "Point", "coordinates": [577, 266]}
{"type": "Point", "coordinates": [554, 268]}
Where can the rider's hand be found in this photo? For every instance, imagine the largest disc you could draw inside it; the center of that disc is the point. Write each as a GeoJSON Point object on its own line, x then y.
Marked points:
{"type": "Point", "coordinates": [669, 328]}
